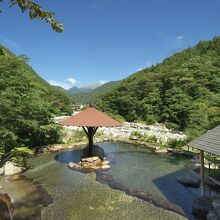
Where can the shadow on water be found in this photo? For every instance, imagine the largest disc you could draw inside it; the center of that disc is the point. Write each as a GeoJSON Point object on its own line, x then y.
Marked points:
{"type": "Point", "coordinates": [177, 194]}
{"type": "Point", "coordinates": [105, 178]}
{"type": "Point", "coordinates": [69, 156]}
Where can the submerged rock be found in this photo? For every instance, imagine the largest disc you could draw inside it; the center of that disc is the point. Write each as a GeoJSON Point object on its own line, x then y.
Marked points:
{"type": "Point", "coordinates": [146, 196]}
{"type": "Point", "coordinates": [190, 179]}
{"type": "Point", "coordinates": [11, 168]}
{"type": "Point", "coordinates": [201, 207]}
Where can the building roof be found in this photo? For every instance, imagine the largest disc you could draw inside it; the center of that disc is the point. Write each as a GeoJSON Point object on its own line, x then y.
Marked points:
{"type": "Point", "coordinates": [90, 117]}
{"type": "Point", "coordinates": [209, 142]}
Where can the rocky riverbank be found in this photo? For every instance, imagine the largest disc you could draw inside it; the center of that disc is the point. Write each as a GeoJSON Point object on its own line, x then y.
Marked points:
{"type": "Point", "coordinates": [159, 131]}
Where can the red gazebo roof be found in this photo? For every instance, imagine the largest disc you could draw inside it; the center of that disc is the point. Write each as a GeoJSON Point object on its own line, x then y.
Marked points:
{"type": "Point", "coordinates": [90, 117]}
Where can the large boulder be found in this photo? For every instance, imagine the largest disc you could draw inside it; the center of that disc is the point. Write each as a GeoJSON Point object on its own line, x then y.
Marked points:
{"type": "Point", "coordinates": [201, 207]}
{"type": "Point", "coordinates": [2, 171]}
{"type": "Point", "coordinates": [90, 164]}
{"type": "Point", "coordinates": [190, 179]}
{"type": "Point", "coordinates": [90, 161]}
{"type": "Point", "coordinates": [11, 168]}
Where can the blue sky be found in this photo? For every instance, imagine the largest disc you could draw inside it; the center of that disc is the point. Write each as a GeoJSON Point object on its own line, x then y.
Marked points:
{"type": "Point", "coordinates": [107, 40]}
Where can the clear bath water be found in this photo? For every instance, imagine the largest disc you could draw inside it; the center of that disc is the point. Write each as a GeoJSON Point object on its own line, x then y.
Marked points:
{"type": "Point", "coordinates": [81, 196]}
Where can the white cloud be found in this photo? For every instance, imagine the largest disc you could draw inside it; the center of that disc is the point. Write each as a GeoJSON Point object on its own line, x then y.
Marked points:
{"type": "Point", "coordinates": [103, 82]}
{"type": "Point", "coordinates": [180, 37]}
{"type": "Point", "coordinates": [93, 85]}
{"type": "Point", "coordinates": [70, 82]}
{"type": "Point", "coordinates": [67, 84]}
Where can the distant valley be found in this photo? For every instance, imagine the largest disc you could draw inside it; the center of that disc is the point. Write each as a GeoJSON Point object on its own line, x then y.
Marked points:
{"type": "Point", "coordinates": [89, 95]}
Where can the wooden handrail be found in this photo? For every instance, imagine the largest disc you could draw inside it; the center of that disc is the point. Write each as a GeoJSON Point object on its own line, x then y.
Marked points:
{"type": "Point", "coordinates": [213, 180]}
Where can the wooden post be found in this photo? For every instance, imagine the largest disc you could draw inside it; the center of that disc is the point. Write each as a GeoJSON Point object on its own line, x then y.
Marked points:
{"type": "Point", "coordinates": [202, 173]}
{"type": "Point", "coordinates": [90, 133]}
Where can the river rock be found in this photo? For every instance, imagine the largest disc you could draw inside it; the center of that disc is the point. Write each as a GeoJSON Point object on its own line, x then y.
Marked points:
{"type": "Point", "coordinates": [162, 151]}
{"type": "Point", "coordinates": [170, 150]}
{"type": "Point", "coordinates": [134, 138]}
{"type": "Point", "coordinates": [90, 161]}
{"type": "Point", "coordinates": [15, 177]}
{"type": "Point", "coordinates": [196, 167]}
{"type": "Point", "coordinates": [214, 215]}
{"type": "Point", "coordinates": [190, 179]}
{"type": "Point", "coordinates": [201, 207]}
{"type": "Point", "coordinates": [106, 167]}
{"type": "Point", "coordinates": [74, 165]}
{"type": "Point", "coordinates": [2, 171]}
{"type": "Point", "coordinates": [105, 162]}
{"type": "Point", "coordinates": [11, 168]}
{"type": "Point", "coordinates": [216, 203]}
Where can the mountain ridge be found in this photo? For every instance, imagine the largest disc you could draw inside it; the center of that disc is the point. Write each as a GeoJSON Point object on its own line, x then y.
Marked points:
{"type": "Point", "coordinates": [93, 95]}
{"type": "Point", "coordinates": [183, 91]}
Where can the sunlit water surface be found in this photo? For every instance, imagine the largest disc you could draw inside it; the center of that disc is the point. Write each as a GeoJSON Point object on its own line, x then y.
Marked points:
{"type": "Point", "coordinates": [80, 196]}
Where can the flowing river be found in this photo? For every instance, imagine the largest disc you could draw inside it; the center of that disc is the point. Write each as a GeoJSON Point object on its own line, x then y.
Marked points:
{"type": "Point", "coordinates": [140, 185]}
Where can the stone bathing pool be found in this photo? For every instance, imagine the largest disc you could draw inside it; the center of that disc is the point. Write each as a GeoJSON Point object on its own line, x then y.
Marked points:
{"type": "Point", "coordinates": [140, 185]}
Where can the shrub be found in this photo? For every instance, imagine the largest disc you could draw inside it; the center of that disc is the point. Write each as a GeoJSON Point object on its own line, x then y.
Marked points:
{"type": "Point", "coordinates": [144, 137]}
{"type": "Point", "coordinates": [50, 134]}
{"type": "Point", "coordinates": [20, 154]}
{"type": "Point", "coordinates": [79, 135]}
{"type": "Point", "coordinates": [137, 134]}
{"type": "Point", "coordinates": [174, 143]}
{"type": "Point", "coordinates": [151, 138]}
{"type": "Point", "coordinates": [212, 158]}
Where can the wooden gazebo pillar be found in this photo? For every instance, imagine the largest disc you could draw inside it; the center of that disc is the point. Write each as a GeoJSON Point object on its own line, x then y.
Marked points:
{"type": "Point", "coordinates": [202, 173]}
{"type": "Point", "coordinates": [90, 132]}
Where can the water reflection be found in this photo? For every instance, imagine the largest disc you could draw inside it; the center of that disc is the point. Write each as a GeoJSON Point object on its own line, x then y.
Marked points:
{"type": "Point", "coordinates": [69, 156]}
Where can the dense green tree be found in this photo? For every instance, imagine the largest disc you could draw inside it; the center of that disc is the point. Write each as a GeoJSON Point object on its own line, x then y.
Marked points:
{"type": "Point", "coordinates": [35, 11]}
{"type": "Point", "coordinates": [27, 105]}
{"type": "Point", "coordinates": [183, 91]}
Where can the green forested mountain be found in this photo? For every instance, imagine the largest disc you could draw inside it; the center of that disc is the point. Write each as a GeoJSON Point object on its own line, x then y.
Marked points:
{"type": "Point", "coordinates": [183, 91]}
{"type": "Point", "coordinates": [95, 94]}
{"type": "Point", "coordinates": [27, 105]}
